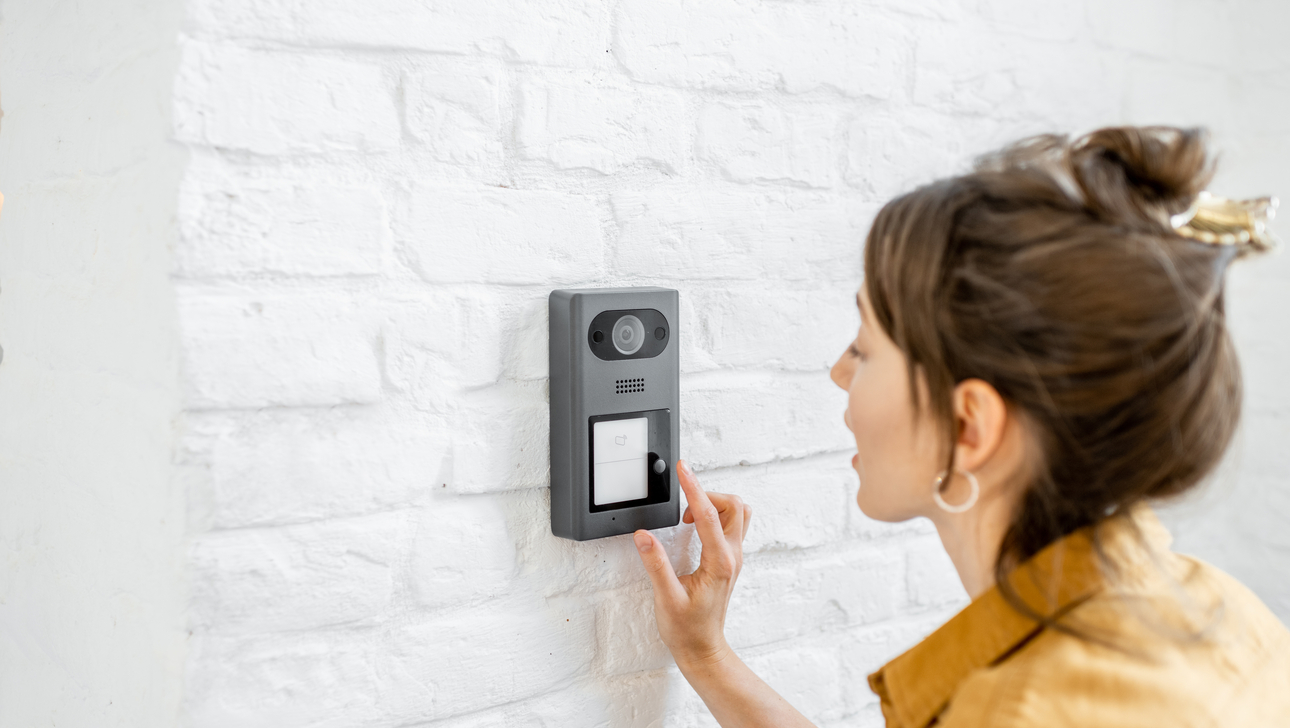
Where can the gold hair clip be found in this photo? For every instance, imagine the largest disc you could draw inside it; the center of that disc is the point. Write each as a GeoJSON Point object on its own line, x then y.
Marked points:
{"type": "Point", "coordinates": [1221, 221]}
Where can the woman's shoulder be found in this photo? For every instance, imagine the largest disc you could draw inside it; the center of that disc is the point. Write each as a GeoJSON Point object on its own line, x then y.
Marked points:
{"type": "Point", "coordinates": [1193, 646]}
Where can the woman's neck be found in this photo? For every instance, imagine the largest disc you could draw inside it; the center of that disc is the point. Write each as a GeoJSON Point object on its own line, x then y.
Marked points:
{"type": "Point", "coordinates": [972, 540]}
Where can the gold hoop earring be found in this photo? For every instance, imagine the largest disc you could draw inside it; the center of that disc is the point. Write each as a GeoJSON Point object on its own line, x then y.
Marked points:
{"type": "Point", "coordinates": [971, 501]}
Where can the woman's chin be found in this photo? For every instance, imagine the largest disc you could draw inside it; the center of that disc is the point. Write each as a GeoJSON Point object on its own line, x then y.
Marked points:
{"type": "Point", "coordinates": [879, 511]}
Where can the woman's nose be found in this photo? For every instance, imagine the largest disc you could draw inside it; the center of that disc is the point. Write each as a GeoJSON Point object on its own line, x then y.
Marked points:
{"type": "Point", "coordinates": [839, 375]}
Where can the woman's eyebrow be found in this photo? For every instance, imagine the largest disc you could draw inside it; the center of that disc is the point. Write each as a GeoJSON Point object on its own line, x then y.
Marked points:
{"type": "Point", "coordinates": [863, 319]}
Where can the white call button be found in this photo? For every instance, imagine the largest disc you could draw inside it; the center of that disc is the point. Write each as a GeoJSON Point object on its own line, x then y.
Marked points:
{"type": "Point", "coordinates": [620, 451]}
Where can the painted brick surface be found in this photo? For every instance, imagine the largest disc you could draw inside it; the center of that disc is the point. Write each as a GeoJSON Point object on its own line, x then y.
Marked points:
{"type": "Point", "coordinates": [381, 195]}
{"type": "Point", "coordinates": [767, 143]}
{"type": "Point", "coordinates": [280, 349]}
{"type": "Point", "coordinates": [760, 47]}
{"type": "Point", "coordinates": [499, 235]}
{"type": "Point", "coordinates": [581, 121]}
{"type": "Point", "coordinates": [281, 102]}
{"type": "Point", "coordinates": [238, 227]}
{"type": "Point", "coordinates": [454, 108]}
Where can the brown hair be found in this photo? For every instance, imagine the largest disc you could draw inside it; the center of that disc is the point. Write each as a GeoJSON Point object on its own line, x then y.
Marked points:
{"type": "Point", "coordinates": [1052, 272]}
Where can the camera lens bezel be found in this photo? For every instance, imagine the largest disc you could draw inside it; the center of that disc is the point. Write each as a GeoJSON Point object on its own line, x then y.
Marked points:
{"type": "Point", "coordinates": [650, 320]}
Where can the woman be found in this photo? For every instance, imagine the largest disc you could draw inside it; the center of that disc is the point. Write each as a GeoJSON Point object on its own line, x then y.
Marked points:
{"type": "Point", "coordinates": [1042, 351]}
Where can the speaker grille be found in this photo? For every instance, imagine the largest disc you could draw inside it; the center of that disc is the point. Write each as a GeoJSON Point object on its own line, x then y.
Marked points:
{"type": "Point", "coordinates": [629, 386]}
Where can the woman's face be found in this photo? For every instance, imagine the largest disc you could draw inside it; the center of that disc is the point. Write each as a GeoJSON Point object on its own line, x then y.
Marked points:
{"type": "Point", "coordinates": [896, 459]}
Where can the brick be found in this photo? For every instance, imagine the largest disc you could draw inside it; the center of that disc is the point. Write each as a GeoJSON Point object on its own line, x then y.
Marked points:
{"type": "Point", "coordinates": [798, 504]}
{"type": "Point", "coordinates": [1255, 312]}
{"type": "Point", "coordinates": [277, 466]}
{"type": "Point", "coordinates": [501, 439]}
{"type": "Point", "coordinates": [233, 227]}
{"type": "Point", "coordinates": [527, 331]}
{"type": "Point", "coordinates": [809, 679]}
{"type": "Point", "coordinates": [454, 108]}
{"type": "Point", "coordinates": [586, 122]}
{"type": "Point", "coordinates": [570, 33]}
{"type": "Point", "coordinates": [861, 526]}
{"type": "Point", "coordinates": [557, 566]}
{"type": "Point", "coordinates": [1205, 37]}
{"type": "Point", "coordinates": [868, 716]}
{"type": "Point", "coordinates": [657, 697]}
{"type": "Point", "coordinates": [1019, 86]}
{"type": "Point", "coordinates": [753, 141]}
{"type": "Point", "coordinates": [761, 326]}
{"type": "Point", "coordinates": [298, 678]}
{"type": "Point", "coordinates": [279, 102]}
{"type": "Point", "coordinates": [933, 9]}
{"type": "Point", "coordinates": [1145, 27]}
{"type": "Point", "coordinates": [416, 672]}
{"type": "Point", "coordinates": [297, 577]}
{"type": "Point", "coordinates": [1065, 22]}
{"type": "Point", "coordinates": [462, 552]}
{"type": "Point", "coordinates": [554, 708]}
{"type": "Point", "coordinates": [785, 598]}
{"type": "Point", "coordinates": [736, 46]}
{"type": "Point", "coordinates": [681, 707]}
{"type": "Point", "coordinates": [500, 236]}
{"type": "Point", "coordinates": [1259, 50]}
{"type": "Point", "coordinates": [479, 660]}
{"type": "Point", "coordinates": [865, 650]}
{"type": "Point", "coordinates": [1152, 97]}
{"type": "Point", "coordinates": [706, 234]}
{"type": "Point", "coordinates": [889, 155]}
{"type": "Point", "coordinates": [242, 349]}
{"type": "Point", "coordinates": [627, 635]}
{"type": "Point", "coordinates": [754, 417]}
{"type": "Point", "coordinates": [1261, 438]}
{"type": "Point", "coordinates": [931, 577]}
{"type": "Point", "coordinates": [432, 345]}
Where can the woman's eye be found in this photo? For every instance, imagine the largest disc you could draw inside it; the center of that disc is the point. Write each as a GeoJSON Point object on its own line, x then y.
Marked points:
{"type": "Point", "coordinates": [853, 351]}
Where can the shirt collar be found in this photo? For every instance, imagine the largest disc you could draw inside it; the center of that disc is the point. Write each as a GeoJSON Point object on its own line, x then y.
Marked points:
{"type": "Point", "coordinates": [916, 686]}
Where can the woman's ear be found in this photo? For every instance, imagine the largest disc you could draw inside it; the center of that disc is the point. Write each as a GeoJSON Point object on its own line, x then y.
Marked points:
{"type": "Point", "coordinates": [981, 417]}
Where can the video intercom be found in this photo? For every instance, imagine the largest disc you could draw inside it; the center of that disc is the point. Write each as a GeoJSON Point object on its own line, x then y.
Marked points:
{"type": "Point", "coordinates": [615, 411]}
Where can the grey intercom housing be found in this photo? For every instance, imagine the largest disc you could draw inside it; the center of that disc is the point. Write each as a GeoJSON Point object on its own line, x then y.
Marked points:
{"type": "Point", "coordinates": [615, 411]}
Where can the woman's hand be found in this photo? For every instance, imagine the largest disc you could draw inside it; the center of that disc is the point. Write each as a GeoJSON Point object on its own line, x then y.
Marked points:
{"type": "Point", "coordinates": [691, 610]}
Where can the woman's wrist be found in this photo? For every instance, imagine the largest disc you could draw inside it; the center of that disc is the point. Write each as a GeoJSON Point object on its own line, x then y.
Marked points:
{"type": "Point", "coordinates": [706, 660]}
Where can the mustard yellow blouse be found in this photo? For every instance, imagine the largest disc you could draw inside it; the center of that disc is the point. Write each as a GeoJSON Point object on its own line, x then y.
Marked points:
{"type": "Point", "coordinates": [990, 666]}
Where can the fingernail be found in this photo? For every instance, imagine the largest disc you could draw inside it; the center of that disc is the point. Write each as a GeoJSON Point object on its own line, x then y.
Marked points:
{"type": "Point", "coordinates": [643, 541]}
{"type": "Point", "coordinates": [685, 467]}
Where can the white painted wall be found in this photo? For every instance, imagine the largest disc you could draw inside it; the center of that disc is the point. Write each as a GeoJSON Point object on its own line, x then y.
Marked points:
{"type": "Point", "coordinates": [1239, 522]}
{"type": "Point", "coordinates": [376, 200]}
{"type": "Point", "coordinates": [92, 597]}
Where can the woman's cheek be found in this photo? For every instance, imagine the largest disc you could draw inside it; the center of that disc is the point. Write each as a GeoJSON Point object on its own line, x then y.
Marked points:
{"type": "Point", "coordinates": [865, 415]}
{"type": "Point", "coordinates": [877, 423]}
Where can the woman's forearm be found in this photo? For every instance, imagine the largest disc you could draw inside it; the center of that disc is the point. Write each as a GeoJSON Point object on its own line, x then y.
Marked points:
{"type": "Point", "coordinates": [736, 696]}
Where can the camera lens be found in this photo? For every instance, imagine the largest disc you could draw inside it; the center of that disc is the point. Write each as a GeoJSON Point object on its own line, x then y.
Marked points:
{"type": "Point", "coordinates": [629, 334]}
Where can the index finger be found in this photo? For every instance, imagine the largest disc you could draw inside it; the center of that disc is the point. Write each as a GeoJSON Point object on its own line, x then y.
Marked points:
{"type": "Point", "coordinates": [707, 520]}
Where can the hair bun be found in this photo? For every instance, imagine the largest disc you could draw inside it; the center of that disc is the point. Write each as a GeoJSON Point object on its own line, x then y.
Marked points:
{"type": "Point", "coordinates": [1141, 175]}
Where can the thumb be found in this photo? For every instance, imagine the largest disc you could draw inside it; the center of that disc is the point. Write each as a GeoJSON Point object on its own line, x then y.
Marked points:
{"type": "Point", "coordinates": [657, 565]}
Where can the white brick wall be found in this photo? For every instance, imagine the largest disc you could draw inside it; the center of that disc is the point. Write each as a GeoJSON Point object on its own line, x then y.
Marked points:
{"type": "Point", "coordinates": [383, 195]}
{"type": "Point", "coordinates": [376, 200]}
